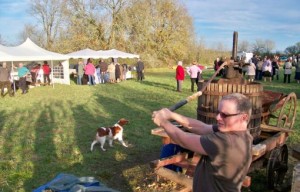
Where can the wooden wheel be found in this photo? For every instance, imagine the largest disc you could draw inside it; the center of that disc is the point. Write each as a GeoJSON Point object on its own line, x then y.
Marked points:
{"type": "Point", "coordinates": [287, 114]}
{"type": "Point", "coordinates": [277, 166]}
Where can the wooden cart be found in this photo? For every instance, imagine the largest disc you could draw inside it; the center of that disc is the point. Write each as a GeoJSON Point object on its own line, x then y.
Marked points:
{"type": "Point", "coordinates": [269, 149]}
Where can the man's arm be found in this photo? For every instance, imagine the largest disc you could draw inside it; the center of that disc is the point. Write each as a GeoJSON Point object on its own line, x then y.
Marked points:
{"type": "Point", "coordinates": [187, 140]}
{"type": "Point", "coordinates": [193, 125]}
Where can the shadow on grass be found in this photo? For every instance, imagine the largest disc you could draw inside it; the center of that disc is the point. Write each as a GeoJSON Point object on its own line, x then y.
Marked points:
{"type": "Point", "coordinates": [45, 151]}
{"type": "Point", "coordinates": [116, 166]}
{"type": "Point", "coordinates": [160, 85]}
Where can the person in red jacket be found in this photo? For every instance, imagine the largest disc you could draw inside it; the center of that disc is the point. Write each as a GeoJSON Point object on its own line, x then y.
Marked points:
{"type": "Point", "coordinates": [47, 71]}
{"type": "Point", "coordinates": [179, 76]}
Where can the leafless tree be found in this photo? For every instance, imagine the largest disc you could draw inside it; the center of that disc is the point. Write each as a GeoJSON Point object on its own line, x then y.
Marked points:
{"type": "Point", "coordinates": [258, 46]}
{"type": "Point", "coordinates": [293, 50]}
{"type": "Point", "coordinates": [2, 42]}
{"type": "Point", "coordinates": [263, 46]}
{"type": "Point", "coordinates": [269, 45]}
{"type": "Point", "coordinates": [114, 8]}
{"type": "Point", "coordinates": [49, 15]}
{"type": "Point", "coordinates": [244, 46]}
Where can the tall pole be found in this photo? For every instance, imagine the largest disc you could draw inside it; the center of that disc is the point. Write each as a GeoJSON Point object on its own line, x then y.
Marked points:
{"type": "Point", "coordinates": [235, 43]}
{"type": "Point", "coordinates": [13, 76]}
{"type": "Point", "coordinates": [52, 74]}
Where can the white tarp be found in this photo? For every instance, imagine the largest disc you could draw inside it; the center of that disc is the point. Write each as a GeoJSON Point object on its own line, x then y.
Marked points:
{"type": "Point", "coordinates": [103, 54]}
{"type": "Point", "coordinates": [246, 56]}
{"type": "Point", "coordinates": [4, 56]}
{"type": "Point", "coordinates": [84, 54]}
{"type": "Point", "coordinates": [113, 53]}
{"type": "Point", "coordinates": [29, 51]}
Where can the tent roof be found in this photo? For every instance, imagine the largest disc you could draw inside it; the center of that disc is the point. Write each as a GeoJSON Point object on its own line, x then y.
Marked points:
{"type": "Point", "coordinates": [84, 54]}
{"type": "Point", "coordinates": [104, 54]}
{"type": "Point", "coordinates": [5, 57]}
{"type": "Point", "coordinates": [29, 51]}
{"type": "Point", "coordinates": [113, 53]}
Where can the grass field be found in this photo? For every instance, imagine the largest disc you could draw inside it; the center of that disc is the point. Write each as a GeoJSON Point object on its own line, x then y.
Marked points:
{"type": "Point", "coordinates": [49, 131]}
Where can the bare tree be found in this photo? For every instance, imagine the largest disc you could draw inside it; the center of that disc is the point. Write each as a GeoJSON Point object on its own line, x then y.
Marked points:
{"type": "Point", "coordinates": [263, 46]}
{"type": "Point", "coordinates": [49, 14]}
{"type": "Point", "coordinates": [244, 46]}
{"type": "Point", "coordinates": [2, 42]}
{"type": "Point", "coordinates": [84, 27]}
{"type": "Point", "coordinates": [293, 50]}
{"type": "Point", "coordinates": [258, 46]}
{"type": "Point", "coordinates": [33, 33]}
{"type": "Point", "coordinates": [269, 46]}
{"type": "Point", "coordinates": [114, 8]}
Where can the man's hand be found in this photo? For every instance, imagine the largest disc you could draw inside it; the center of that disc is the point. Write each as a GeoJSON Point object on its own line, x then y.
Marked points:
{"type": "Point", "coordinates": [161, 116]}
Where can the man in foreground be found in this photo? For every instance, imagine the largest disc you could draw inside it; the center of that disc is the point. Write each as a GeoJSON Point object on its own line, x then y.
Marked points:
{"type": "Point", "coordinates": [225, 147]}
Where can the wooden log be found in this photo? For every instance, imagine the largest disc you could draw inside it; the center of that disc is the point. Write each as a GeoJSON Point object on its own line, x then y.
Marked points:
{"type": "Point", "coordinates": [187, 181]}
{"type": "Point", "coordinates": [296, 179]}
{"type": "Point", "coordinates": [296, 152]}
{"type": "Point", "coordinates": [276, 140]}
{"type": "Point", "coordinates": [169, 160]}
{"type": "Point", "coordinates": [185, 190]}
{"type": "Point", "coordinates": [259, 149]}
{"type": "Point", "coordinates": [176, 177]}
{"type": "Point", "coordinates": [273, 128]}
{"type": "Point", "coordinates": [192, 166]}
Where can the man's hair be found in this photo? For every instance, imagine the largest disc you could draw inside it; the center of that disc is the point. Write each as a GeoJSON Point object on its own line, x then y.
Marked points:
{"type": "Point", "coordinates": [243, 105]}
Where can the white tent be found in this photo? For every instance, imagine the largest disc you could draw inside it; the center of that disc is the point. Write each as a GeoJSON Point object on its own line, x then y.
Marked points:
{"type": "Point", "coordinates": [84, 54]}
{"type": "Point", "coordinates": [5, 57]}
{"type": "Point", "coordinates": [104, 54]}
{"type": "Point", "coordinates": [29, 51]}
{"type": "Point", "coordinates": [113, 53]}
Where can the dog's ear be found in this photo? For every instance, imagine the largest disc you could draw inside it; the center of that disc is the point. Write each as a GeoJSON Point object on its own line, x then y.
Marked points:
{"type": "Point", "coordinates": [123, 121]}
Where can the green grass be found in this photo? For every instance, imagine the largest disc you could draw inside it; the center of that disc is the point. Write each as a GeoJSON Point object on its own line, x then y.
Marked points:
{"type": "Point", "coordinates": [49, 131]}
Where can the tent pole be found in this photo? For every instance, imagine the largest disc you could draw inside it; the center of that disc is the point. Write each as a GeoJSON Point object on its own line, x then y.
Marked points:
{"type": "Point", "coordinates": [52, 74]}
{"type": "Point", "coordinates": [13, 77]}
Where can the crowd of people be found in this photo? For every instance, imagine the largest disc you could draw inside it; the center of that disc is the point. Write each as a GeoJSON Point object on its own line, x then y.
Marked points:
{"type": "Point", "coordinates": [267, 68]}
{"type": "Point", "coordinates": [257, 68]}
{"type": "Point", "coordinates": [36, 73]}
{"type": "Point", "coordinates": [91, 74]}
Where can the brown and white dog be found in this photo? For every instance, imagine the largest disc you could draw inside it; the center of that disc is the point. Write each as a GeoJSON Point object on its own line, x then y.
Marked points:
{"type": "Point", "coordinates": [112, 133]}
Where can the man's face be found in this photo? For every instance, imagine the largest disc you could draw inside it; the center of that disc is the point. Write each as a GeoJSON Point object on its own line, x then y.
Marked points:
{"type": "Point", "coordinates": [228, 117]}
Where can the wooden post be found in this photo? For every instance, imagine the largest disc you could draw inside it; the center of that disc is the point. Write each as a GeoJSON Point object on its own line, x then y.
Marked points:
{"type": "Point", "coordinates": [235, 43]}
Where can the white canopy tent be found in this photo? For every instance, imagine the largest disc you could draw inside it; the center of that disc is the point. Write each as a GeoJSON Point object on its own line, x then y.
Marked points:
{"type": "Point", "coordinates": [113, 53]}
{"type": "Point", "coordinates": [29, 51]}
{"type": "Point", "coordinates": [84, 54]}
{"type": "Point", "coordinates": [103, 54]}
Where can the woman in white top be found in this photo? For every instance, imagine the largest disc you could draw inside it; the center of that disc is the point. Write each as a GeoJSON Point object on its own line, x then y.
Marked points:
{"type": "Point", "coordinates": [267, 69]}
{"type": "Point", "coordinates": [287, 70]}
{"type": "Point", "coordinates": [251, 71]}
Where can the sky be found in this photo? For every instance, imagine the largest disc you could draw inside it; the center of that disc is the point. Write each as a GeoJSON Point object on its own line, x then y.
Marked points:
{"type": "Point", "coordinates": [214, 21]}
